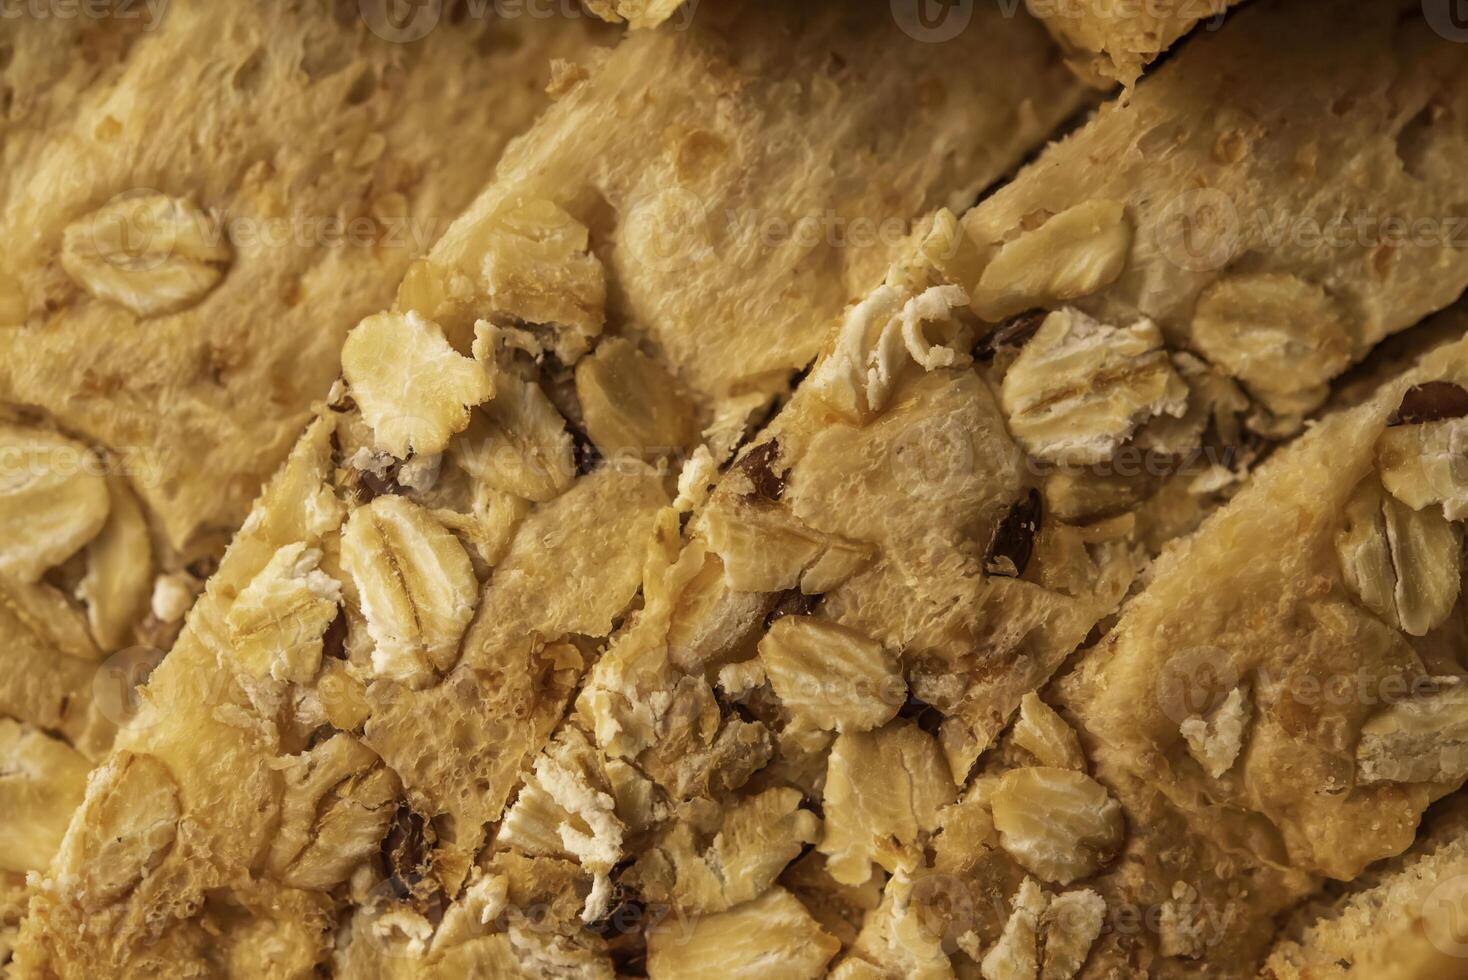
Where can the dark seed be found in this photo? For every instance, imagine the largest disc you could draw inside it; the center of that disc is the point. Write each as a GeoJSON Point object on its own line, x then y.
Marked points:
{"type": "Point", "coordinates": [1014, 332]}
{"type": "Point", "coordinates": [1431, 402]}
{"type": "Point", "coordinates": [923, 714]}
{"type": "Point", "coordinates": [583, 450]}
{"type": "Point", "coordinates": [370, 486]}
{"type": "Point", "coordinates": [792, 602]}
{"type": "Point", "coordinates": [759, 465]}
{"type": "Point", "coordinates": [334, 641]}
{"type": "Point", "coordinates": [202, 568]}
{"type": "Point", "coordinates": [1014, 538]}
{"type": "Point", "coordinates": [405, 848]}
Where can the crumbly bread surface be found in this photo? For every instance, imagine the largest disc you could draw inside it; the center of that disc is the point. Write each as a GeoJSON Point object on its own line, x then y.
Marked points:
{"type": "Point", "coordinates": [143, 434]}
{"type": "Point", "coordinates": [151, 392]}
{"type": "Point", "coordinates": [1110, 41]}
{"type": "Point", "coordinates": [396, 630]}
{"type": "Point", "coordinates": [839, 517]}
{"type": "Point", "coordinates": [1301, 633]}
{"type": "Point", "coordinates": [1028, 638]}
{"type": "Point", "coordinates": [1401, 920]}
{"type": "Point", "coordinates": [1276, 208]}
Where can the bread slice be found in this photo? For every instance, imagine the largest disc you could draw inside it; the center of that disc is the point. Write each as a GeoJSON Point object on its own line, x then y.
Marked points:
{"type": "Point", "coordinates": [1252, 182]}
{"type": "Point", "coordinates": [1109, 41]}
{"type": "Point", "coordinates": [857, 611]}
{"type": "Point", "coordinates": [153, 393]}
{"type": "Point", "coordinates": [607, 285]}
{"type": "Point", "coordinates": [1268, 693]}
{"type": "Point", "coordinates": [918, 541]}
{"type": "Point", "coordinates": [161, 426]}
{"type": "Point", "coordinates": [1144, 394]}
{"type": "Point", "coordinates": [881, 580]}
{"type": "Point", "coordinates": [922, 537]}
{"type": "Point", "coordinates": [1400, 920]}
{"type": "Point", "coordinates": [1189, 807]}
